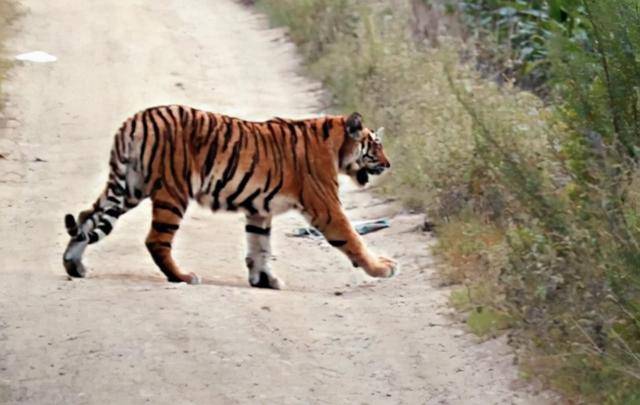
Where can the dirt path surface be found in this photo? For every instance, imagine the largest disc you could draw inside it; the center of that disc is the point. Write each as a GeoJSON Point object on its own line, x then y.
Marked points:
{"type": "Point", "coordinates": [124, 335]}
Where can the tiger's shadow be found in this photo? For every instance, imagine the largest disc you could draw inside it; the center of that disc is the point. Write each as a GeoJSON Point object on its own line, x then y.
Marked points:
{"type": "Point", "coordinates": [160, 281]}
{"type": "Point", "coordinates": [148, 282]}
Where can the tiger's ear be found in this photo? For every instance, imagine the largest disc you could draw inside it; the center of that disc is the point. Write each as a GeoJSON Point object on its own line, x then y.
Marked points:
{"type": "Point", "coordinates": [354, 125]}
{"type": "Point", "coordinates": [380, 133]}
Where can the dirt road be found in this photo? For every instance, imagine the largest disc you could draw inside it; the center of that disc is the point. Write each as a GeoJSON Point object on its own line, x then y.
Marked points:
{"type": "Point", "coordinates": [124, 335]}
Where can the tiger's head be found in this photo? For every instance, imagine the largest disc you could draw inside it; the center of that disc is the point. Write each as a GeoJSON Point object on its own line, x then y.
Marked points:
{"type": "Point", "coordinates": [367, 155]}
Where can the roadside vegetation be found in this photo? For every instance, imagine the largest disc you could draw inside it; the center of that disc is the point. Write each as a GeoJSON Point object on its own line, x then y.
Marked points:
{"type": "Point", "coordinates": [515, 126]}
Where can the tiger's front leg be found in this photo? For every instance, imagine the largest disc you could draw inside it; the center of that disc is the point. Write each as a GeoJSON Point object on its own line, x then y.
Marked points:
{"type": "Point", "coordinates": [337, 229]}
{"type": "Point", "coordinates": [258, 231]}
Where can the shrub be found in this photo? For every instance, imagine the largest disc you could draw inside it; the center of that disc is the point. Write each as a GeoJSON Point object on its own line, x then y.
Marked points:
{"type": "Point", "coordinates": [512, 36]}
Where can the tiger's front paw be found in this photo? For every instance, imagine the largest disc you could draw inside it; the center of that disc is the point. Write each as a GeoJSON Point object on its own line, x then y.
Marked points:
{"type": "Point", "coordinates": [264, 279]}
{"type": "Point", "coordinates": [194, 279]}
{"type": "Point", "coordinates": [383, 267]}
{"type": "Point", "coordinates": [191, 278]}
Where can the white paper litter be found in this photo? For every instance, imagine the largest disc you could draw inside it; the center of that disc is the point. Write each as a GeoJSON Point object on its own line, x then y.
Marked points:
{"type": "Point", "coordinates": [37, 56]}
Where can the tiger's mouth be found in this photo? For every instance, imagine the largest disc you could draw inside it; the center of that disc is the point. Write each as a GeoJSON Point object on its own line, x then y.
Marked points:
{"type": "Point", "coordinates": [375, 170]}
{"type": "Point", "coordinates": [362, 176]}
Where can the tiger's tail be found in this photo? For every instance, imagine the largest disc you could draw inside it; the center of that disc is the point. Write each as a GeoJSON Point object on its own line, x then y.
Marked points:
{"type": "Point", "coordinates": [118, 197]}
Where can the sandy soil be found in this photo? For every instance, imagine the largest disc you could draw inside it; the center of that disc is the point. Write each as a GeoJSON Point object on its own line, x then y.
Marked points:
{"type": "Point", "coordinates": [124, 335]}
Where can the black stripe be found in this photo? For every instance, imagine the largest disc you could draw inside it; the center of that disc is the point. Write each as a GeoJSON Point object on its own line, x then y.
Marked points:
{"type": "Point", "coordinates": [133, 127]}
{"type": "Point", "coordinates": [174, 121]}
{"type": "Point", "coordinates": [172, 151]}
{"type": "Point", "coordinates": [116, 189]}
{"type": "Point", "coordinates": [195, 126]}
{"type": "Point", "coordinates": [144, 139]}
{"type": "Point", "coordinates": [268, 182]}
{"type": "Point", "coordinates": [277, 162]}
{"type": "Point", "coordinates": [113, 163]}
{"type": "Point", "coordinates": [241, 133]}
{"type": "Point", "coordinates": [181, 114]}
{"type": "Point", "coordinates": [257, 144]}
{"type": "Point", "coordinates": [213, 124]}
{"type": "Point", "coordinates": [93, 237]}
{"type": "Point", "coordinates": [70, 224]}
{"type": "Point", "coordinates": [337, 243]}
{"type": "Point", "coordinates": [243, 183]}
{"type": "Point", "coordinates": [174, 178]}
{"type": "Point", "coordinates": [305, 135]}
{"type": "Point", "coordinates": [197, 131]}
{"type": "Point", "coordinates": [326, 127]}
{"type": "Point", "coordinates": [118, 142]}
{"type": "Point", "coordinates": [157, 185]}
{"type": "Point", "coordinates": [257, 230]}
{"type": "Point", "coordinates": [113, 199]}
{"type": "Point", "coordinates": [227, 175]}
{"type": "Point", "coordinates": [270, 139]}
{"type": "Point", "coordinates": [185, 160]}
{"type": "Point", "coordinates": [113, 212]}
{"type": "Point", "coordinates": [119, 176]}
{"type": "Point", "coordinates": [210, 159]}
{"type": "Point", "coordinates": [264, 142]}
{"type": "Point", "coordinates": [274, 142]}
{"type": "Point", "coordinates": [227, 135]}
{"type": "Point", "coordinates": [161, 205]}
{"type": "Point", "coordinates": [247, 204]}
{"type": "Point", "coordinates": [207, 170]}
{"type": "Point", "coordinates": [294, 143]}
{"type": "Point", "coordinates": [154, 147]}
{"type": "Point", "coordinates": [106, 227]}
{"type": "Point", "coordinates": [153, 245]}
{"type": "Point", "coordinates": [164, 227]}
{"type": "Point", "coordinates": [272, 194]}
{"type": "Point", "coordinates": [341, 151]}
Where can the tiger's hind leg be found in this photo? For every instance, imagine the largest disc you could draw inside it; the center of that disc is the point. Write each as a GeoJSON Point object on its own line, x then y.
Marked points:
{"type": "Point", "coordinates": [258, 231]}
{"type": "Point", "coordinates": [72, 257]}
{"type": "Point", "coordinates": [92, 226]}
{"type": "Point", "coordinates": [166, 222]}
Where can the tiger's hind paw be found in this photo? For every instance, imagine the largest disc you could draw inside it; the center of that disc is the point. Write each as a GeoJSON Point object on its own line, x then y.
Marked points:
{"type": "Point", "coordinates": [74, 268]}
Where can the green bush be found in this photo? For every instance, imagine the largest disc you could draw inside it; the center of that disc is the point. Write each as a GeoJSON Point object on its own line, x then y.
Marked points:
{"type": "Point", "coordinates": [573, 278]}
{"type": "Point", "coordinates": [513, 35]}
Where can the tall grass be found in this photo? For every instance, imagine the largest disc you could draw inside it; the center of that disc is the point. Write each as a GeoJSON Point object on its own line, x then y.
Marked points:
{"type": "Point", "coordinates": [536, 204]}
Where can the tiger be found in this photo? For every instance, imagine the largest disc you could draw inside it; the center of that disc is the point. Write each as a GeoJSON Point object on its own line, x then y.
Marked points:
{"type": "Point", "coordinates": [176, 154]}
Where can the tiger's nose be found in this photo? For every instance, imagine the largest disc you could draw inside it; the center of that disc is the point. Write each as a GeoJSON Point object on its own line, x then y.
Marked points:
{"type": "Point", "coordinates": [387, 164]}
